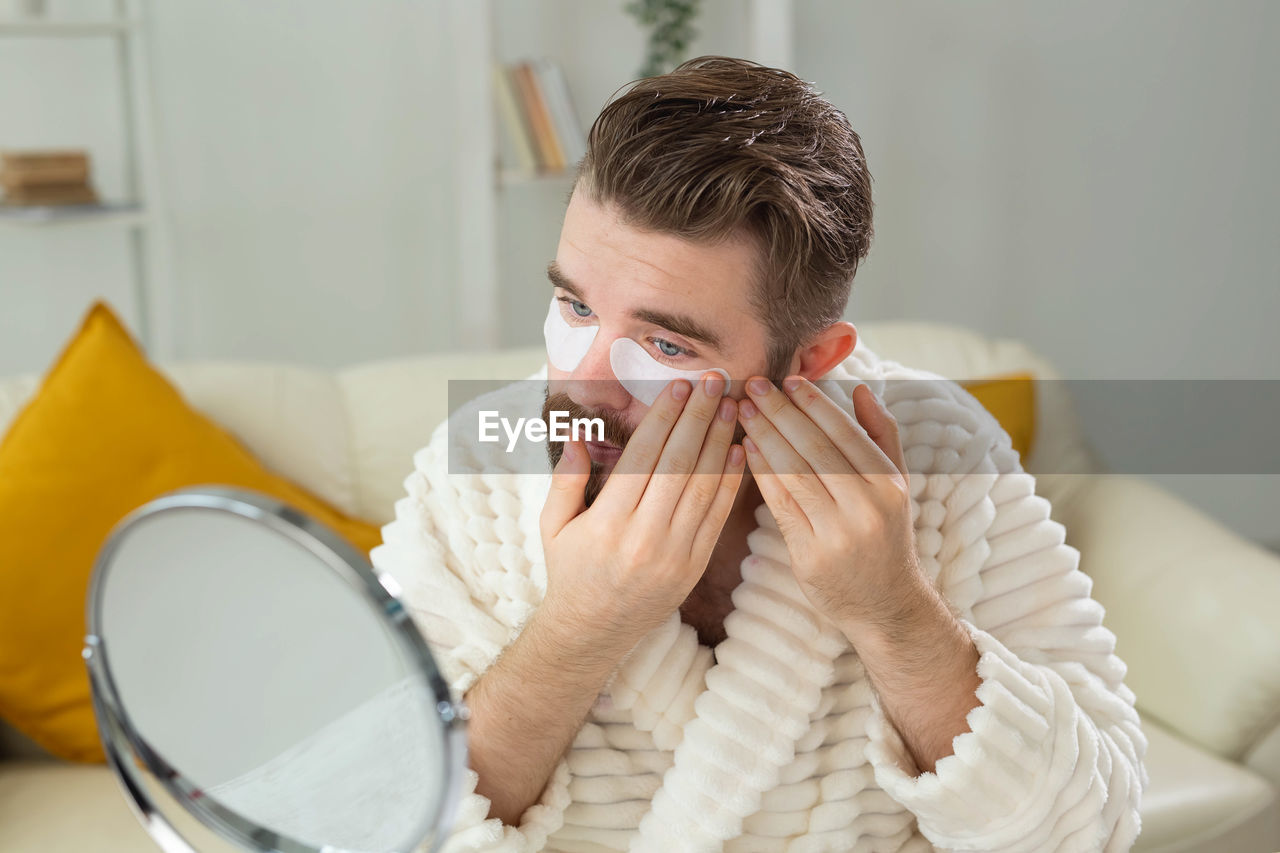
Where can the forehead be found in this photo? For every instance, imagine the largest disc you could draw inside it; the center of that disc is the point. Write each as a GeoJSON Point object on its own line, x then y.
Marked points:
{"type": "Point", "coordinates": [611, 260]}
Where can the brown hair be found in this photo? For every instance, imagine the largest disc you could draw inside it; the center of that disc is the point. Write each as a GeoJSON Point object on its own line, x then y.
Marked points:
{"type": "Point", "coordinates": [723, 147]}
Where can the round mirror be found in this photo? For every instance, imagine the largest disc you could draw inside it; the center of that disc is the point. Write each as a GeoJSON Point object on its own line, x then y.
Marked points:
{"type": "Point", "coordinates": [250, 670]}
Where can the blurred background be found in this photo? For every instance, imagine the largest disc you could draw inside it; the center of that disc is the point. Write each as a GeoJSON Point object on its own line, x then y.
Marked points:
{"type": "Point", "coordinates": [328, 182]}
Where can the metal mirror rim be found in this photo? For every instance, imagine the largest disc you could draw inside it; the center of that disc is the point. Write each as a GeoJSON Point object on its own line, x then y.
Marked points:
{"type": "Point", "coordinates": [378, 589]}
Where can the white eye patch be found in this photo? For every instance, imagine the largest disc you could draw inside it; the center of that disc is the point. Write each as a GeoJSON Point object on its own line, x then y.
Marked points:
{"type": "Point", "coordinates": [644, 376]}
{"type": "Point", "coordinates": [640, 373]}
{"type": "Point", "coordinates": [566, 345]}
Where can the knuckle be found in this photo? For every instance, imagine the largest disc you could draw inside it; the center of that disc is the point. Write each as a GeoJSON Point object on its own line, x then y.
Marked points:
{"type": "Point", "coordinates": [636, 551]}
{"type": "Point", "coordinates": [679, 465]}
{"type": "Point", "coordinates": [774, 404]}
{"type": "Point", "coordinates": [668, 412]}
{"type": "Point", "coordinates": [893, 488]}
{"type": "Point", "coordinates": [700, 407]}
{"type": "Point", "coordinates": [703, 488]}
{"type": "Point", "coordinates": [841, 544]}
{"type": "Point", "coordinates": [827, 459]}
{"type": "Point", "coordinates": [872, 525]}
{"type": "Point", "coordinates": [901, 488]}
{"type": "Point", "coordinates": [644, 448]}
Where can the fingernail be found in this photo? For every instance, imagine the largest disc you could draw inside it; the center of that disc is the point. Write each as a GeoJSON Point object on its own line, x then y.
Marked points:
{"type": "Point", "coordinates": [736, 454]}
{"type": "Point", "coordinates": [568, 451]}
{"type": "Point", "coordinates": [747, 409]}
{"type": "Point", "coordinates": [758, 386]}
{"type": "Point", "coordinates": [726, 410]}
{"type": "Point", "coordinates": [680, 390]}
{"type": "Point", "coordinates": [713, 385]}
{"type": "Point", "coordinates": [748, 444]}
{"type": "Point", "coordinates": [791, 383]}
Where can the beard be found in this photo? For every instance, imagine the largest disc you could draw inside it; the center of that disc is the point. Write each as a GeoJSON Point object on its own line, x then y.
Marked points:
{"type": "Point", "coordinates": [616, 432]}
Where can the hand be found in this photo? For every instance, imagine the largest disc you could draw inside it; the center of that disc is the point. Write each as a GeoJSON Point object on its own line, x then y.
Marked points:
{"type": "Point", "coordinates": [838, 488]}
{"type": "Point", "coordinates": [621, 567]}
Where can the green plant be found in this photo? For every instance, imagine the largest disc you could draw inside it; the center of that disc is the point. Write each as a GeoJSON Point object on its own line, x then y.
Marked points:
{"type": "Point", "coordinates": [671, 30]}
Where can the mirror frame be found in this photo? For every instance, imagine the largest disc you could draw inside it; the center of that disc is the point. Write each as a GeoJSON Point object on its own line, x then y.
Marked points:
{"type": "Point", "coordinates": [379, 590]}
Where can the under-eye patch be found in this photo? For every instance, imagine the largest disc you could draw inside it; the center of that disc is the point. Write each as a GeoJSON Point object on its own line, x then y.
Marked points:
{"type": "Point", "coordinates": [644, 376]}
{"type": "Point", "coordinates": [566, 345]}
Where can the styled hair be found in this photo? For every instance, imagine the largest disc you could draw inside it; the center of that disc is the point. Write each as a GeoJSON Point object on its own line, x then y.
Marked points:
{"type": "Point", "coordinates": [722, 148]}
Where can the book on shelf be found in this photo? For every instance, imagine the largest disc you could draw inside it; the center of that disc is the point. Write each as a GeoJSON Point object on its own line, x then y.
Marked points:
{"type": "Point", "coordinates": [46, 177]}
{"type": "Point", "coordinates": [550, 157]}
{"type": "Point", "coordinates": [514, 120]}
{"type": "Point", "coordinates": [18, 161]}
{"type": "Point", "coordinates": [537, 113]}
{"type": "Point", "coordinates": [69, 194]}
{"type": "Point", "coordinates": [565, 120]}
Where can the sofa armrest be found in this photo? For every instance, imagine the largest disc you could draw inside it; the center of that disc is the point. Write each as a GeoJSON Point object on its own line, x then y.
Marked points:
{"type": "Point", "coordinates": [1264, 756]}
{"type": "Point", "coordinates": [1193, 605]}
{"type": "Point", "coordinates": [15, 746]}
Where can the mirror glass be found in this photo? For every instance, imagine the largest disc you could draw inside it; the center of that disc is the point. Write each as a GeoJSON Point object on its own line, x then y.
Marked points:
{"type": "Point", "coordinates": [255, 666]}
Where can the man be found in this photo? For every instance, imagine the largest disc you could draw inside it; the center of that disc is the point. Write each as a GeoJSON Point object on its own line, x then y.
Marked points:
{"type": "Point", "coordinates": [904, 658]}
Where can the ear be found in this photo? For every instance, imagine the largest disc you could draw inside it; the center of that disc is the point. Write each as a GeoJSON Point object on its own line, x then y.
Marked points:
{"type": "Point", "coordinates": [824, 351]}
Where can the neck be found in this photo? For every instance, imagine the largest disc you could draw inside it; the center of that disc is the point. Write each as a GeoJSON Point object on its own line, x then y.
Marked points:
{"type": "Point", "coordinates": [748, 499]}
{"type": "Point", "coordinates": [709, 602]}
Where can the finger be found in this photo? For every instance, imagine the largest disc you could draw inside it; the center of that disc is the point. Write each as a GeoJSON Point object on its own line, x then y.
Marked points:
{"type": "Point", "coordinates": [712, 522]}
{"type": "Point", "coordinates": [825, 457]}
{"type": "Point", "coordinates": [704, 483]}
{"type": "Point", "coordinates": [881, 426]}
{"type": "Point", "coordinates": [627, 481]}
{"type": "Point", "coordinates": [791, 469]}
{"type": "Point", "coordinates": [567, 497]}
{"type": "Point", "coordinates": [848, 433]}
{"type": "Point", "coordinates": [786, 510]}
{"type": "Point", "coordinates": [699, 424]}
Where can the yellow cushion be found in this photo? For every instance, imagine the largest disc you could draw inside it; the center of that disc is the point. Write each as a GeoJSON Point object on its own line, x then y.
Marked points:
{"type": "Point", "coordinates": [1011, 400]}
{"type": "Point", "coordinates": [104, 434]}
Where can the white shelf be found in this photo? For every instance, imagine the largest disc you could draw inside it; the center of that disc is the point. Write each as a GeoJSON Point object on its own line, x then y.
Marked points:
{"type": "Point", "coordinates": [54, 27]}
{"type": "Point", "coordinates": [122, 213]}
{"type": "Point", "coordinates": [140, 220]}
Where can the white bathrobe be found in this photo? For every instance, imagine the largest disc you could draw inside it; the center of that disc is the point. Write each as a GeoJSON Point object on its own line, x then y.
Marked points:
{"type": "Point", "coordinates": [776, 741]}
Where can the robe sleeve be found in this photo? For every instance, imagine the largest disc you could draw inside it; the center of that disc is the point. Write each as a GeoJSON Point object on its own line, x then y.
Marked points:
{"type": "Point", "coordinates": [1053, 759]}
{"type": "Point", "coordinates": [448, 548]}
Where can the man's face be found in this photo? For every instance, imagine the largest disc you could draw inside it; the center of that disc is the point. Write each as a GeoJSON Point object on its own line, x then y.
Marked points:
{"type": "Point", "coordinates": [686, 304]}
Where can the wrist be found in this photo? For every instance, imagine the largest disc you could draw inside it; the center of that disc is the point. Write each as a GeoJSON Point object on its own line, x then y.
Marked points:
{"type": "Point", "coordinates": [574, 643]}
{"type": "Point", "coordinates": [910, 618]}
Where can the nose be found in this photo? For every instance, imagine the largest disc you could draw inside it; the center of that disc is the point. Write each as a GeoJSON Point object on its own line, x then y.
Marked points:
{"type": "Point", "coordinates": [592, 384]}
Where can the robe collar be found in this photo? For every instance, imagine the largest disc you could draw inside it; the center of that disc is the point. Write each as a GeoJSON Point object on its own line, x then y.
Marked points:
{"type": "Point", "coordinates": [753, 702]}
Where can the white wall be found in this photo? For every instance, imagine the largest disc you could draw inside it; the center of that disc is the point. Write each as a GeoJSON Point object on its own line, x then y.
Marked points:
{"type": "Point", "coordinates": [1096, 178]}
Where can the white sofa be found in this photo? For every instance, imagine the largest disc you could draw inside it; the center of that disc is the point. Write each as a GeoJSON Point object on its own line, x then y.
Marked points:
{"type": "Point", "coordinates": [1193, 606]}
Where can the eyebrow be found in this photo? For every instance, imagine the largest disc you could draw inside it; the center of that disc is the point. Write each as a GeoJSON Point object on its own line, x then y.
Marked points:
{"type": "Point", "coordinates": [680, 324]}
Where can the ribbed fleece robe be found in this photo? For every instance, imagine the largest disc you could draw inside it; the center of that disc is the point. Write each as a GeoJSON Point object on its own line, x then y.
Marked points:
{"type": "Point", "coordinates": [776, 741]}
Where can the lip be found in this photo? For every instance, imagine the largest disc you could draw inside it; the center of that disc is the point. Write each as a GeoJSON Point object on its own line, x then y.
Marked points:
{"type": "Point", "coordinates": [603, 452]}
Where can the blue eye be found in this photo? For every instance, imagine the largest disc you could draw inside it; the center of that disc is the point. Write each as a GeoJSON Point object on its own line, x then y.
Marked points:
{"type": "Point", "coordinates": [579, 309]}
{"type": "Point", "coordinates": [667, 348]}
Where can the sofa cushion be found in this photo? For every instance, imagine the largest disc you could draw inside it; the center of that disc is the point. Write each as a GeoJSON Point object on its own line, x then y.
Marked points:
{"type": "Point", "coordinates": [1199, 802]}
{"type": "Point", "coordinates": [103, 435]}
{"type": "Point", "coordinates": [394, 405]}
{"type": "Point", "coordinates": [66, 808]}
